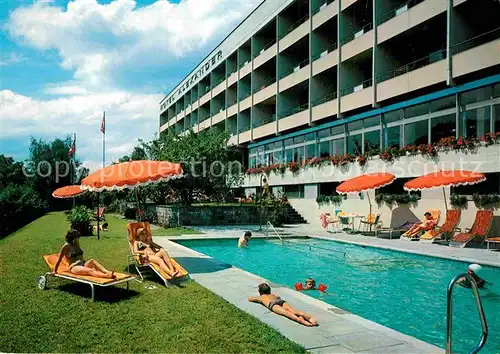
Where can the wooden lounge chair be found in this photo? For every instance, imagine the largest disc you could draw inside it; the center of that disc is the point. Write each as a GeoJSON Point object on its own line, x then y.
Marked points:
{"type": "Point", "coordinates": [436, 214]}
{"type": "Point", "coordinates": [64, 273]}
{"type": "Point", "coordinates": [142, 267]}
{"type": "Point", "coordinates": [446, 230]}
{"type": "Point", "coordinates": [479, 230]}
{"type": "Point", "coordinates": [492, 240]}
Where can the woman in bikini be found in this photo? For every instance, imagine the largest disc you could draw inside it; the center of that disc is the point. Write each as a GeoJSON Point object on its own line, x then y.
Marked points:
{"type": "Point", "coordinates": [77, 265]}
{"type": "Point", "coordinates": [425, 225]}
{"type": "Point", "coordinates": [152, 253]}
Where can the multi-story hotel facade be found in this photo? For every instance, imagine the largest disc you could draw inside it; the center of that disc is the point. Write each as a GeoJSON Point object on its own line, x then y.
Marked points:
{"type": "Point", "coordinates": [299, 79]}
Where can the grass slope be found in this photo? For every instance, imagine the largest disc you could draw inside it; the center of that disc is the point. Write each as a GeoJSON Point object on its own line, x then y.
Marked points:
{"type": "Point", "coordinates": [62, 319]}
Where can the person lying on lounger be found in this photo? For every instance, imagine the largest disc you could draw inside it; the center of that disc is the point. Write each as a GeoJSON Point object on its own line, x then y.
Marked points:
{"type": "Point", "coordinates": [275, 304]}
{"type": "Point", "coordinates": [77, 265]}
{"type": "Point", "coordinates": [425, 225]}
{"type": "Point", "coordinates": [152, 253]}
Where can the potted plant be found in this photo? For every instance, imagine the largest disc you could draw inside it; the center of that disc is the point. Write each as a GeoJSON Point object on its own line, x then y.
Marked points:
{"type": "Point", "coordinates": [80, 219]}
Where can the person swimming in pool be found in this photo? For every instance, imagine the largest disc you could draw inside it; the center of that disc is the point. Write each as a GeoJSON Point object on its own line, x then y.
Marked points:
{"type": "Point", "coordinates": [243, 240]}
{"type": "Point", "coordinates": [473, 271]}
{"type": "Point", "coordinates": [279, 306]}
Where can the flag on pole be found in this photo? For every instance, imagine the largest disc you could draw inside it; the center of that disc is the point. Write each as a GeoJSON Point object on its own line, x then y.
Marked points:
{"type": "Point", "coordinates": [103, 123]}
{"type": "Point", "coordinates": [72, 148]}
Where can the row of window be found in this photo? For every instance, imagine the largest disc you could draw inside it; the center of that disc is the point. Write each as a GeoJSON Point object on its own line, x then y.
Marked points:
{"type": "Point", "coordinates": [421, 124]}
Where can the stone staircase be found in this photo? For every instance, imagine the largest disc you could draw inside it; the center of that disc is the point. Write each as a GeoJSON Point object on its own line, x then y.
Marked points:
{"type": "Point", "coordinates": [293, 217]}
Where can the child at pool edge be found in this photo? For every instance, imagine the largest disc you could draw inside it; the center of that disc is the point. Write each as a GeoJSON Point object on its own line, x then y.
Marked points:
{"type": "Point", "coordinates": [243, 240]}
{"type": "Point", "coordinates": [275, 304]}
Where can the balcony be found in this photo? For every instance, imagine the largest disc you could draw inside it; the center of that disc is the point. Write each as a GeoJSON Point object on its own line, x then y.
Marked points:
{"type": "Point", "coordinates": [267, 89]}
{"type": "Point", "coordinates": [232, 78]}
{"type": "Point", "coordinates": [264, 130]}
{"type": "Point", "coordinates": [295, 32]}
{"type": "Point", "coordinates": [294, 118]}
{"type": "Point", "coordinates": [205, 98]}
{"type": "Point", "coordinates": [324, 12]}
{"type": "Point", "coordinates": [477, 53]}
{"type": "Point", "coordinates": [219, 117]}
{"type": "Point", "coordinates": [245, 102]}
{"type": "Point", "coordinates": [407, 16]}
{"type": "Point", "coordinates": [269, 51]}
{"type": "Point", "coordinates": [325, 60]}
{"type": "Point", "coordinates": [232, 109]}
{"type": "Point", "coordinates": [219, 86]}
{"type": "Point", "coordinates": [357, 42]}
{"type": "Point", "coordinates": [325, 107]}
{"type": "Point", "coordinates": [245, 68]}
{"type": "Point", "coordinates": [423, 72]}
{"type": "Point", "coordinates": [264, 121]}
{"type": "Point", "coordinates": [357, 96]}
{"type": "Point", "coordinates": [294, 76]}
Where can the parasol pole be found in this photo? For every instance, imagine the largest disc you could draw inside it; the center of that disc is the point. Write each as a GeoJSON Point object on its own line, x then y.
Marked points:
{"type": "Point", "coordinates": [445, 203]}
{"type": "Point", "coordinates": [370, 203]}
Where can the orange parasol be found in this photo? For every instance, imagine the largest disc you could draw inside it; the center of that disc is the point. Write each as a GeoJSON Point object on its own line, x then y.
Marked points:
{"type": "Point", "coordinates": [68, 191]}
{"type": "Point", "coordinates": [365, 183]}
{"type": "Point", "coordinates": [453, 178]}
{"type": "Point", "coordinates": [131, 174]}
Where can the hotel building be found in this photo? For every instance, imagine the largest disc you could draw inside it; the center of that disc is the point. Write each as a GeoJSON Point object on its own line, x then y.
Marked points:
{"type": "Point", "coordinates": [307, 78]}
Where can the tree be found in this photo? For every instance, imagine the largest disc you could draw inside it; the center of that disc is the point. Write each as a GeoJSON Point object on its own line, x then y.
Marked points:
{"type": "Point", "coordinates": [211, 167]}
{"type": "Point", "coordinates": [11, 172]}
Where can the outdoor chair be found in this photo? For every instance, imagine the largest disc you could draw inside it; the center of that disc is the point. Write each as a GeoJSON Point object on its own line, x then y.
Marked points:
{"type": "Point", "coordinates": [479, 230]}
{"type": "Point", "coordinates": [446, 230]}
{"type": "Point", "coordinates": [492, 240]}
{"type": "Point", "coordinates": [436, 214]}
{"type": "Point", "coordinates": [370, 222]}
{"type": "Point", "coordinates": [64, 273]}
{"type": "Point", "coordinates": [143, 267]}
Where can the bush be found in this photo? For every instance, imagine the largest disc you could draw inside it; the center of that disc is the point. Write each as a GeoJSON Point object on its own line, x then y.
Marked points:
{"type": "Point", "coordinates": [329, 199]}
{"type": "Point", "coordinates": [19, 205]}
{"type": "Point", "coordinates": [80, 218]}
{"type": "Point", "coordinates": [486, 201]}
{"type": "Point", "coordinates": [458, 201]}
{"type": "Point", "coordinates": [148, 215]}
{"type": "Point", "coordinates": [130, 213]}
{"type": "Point", "coordinates": [390, 199]}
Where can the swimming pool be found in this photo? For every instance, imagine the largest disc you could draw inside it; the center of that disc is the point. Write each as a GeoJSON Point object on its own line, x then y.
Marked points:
{"type": "Point", "coordinates": [402, 291]}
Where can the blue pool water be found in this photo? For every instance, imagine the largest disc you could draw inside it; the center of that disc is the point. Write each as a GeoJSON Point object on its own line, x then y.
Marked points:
{"type": "Point", "coordinates": [402, 291]}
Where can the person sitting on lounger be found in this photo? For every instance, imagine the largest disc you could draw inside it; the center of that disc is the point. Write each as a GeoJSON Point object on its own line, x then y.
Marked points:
{"type": "Point", "coordinates": [243, 240]}
{"type": "Point", "coordinates": [425, 225]}
{"type": "Point", "coordinates": [275, 304]}
{"type": "Point", "coordinates": [150, 252]}
{"type": "Point", "coordinates": [77, 265]}
{"type": "Point", "coordinates": [473, 270]}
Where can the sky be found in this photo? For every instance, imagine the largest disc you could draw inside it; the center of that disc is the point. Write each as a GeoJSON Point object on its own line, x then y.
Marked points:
{"type": "Point", "coordinates": [63, 63]}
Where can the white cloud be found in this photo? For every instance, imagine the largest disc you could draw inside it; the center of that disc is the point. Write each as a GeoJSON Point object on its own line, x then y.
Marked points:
{"type": "Point", "coordinates": [12, 58]}
{"type": "Point", "coordinates": [96, 40]}
{"type": "Point", "coordinates": [65, 89]}
{"type": "Point", "coordinates": [128, 117]}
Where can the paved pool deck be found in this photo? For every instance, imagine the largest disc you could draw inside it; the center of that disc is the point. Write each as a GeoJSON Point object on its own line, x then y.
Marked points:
{"type": "Point", "coordinates": [339, 331]}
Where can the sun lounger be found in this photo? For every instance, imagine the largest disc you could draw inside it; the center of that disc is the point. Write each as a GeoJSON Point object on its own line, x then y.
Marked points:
{"type": "Point", "coordinates": [446, 230]}
{"type": "Point", "coordinates": [479, 230]}
{"type": "Point", "coordinates": [64, 273]}
{"type": "Point", "coordinates": [140, 266]}
{"type": "Point", "coordinates": [436, 214]}
{"type": "Point", "coordinates": [492, 240]}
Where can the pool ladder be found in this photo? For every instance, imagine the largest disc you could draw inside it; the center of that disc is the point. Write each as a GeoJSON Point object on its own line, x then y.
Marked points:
{"type": "Point", "coordinates": [449, 313]}
{"type": "Point", "coordinates": [275, 231]}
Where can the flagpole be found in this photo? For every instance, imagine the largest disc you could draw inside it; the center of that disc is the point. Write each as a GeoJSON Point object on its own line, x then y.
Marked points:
{"type": "Point", "coordinates": [103, 131]}
{"type": "Point", "coordinates": [73, 179]}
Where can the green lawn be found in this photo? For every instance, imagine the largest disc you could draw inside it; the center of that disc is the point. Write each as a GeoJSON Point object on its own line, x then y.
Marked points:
{"type": "Point", "coordinates": [62, 319]}
{"type": "Point", "coordinates": [174, 231]}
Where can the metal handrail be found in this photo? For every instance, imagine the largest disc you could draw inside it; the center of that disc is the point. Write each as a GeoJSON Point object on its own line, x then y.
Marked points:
{"type": "Point", "coordinates": [276, 232]}
{"type": "Point", "coordinates": [264, 48]}
{"type": "Point", "coordinates": [264, 84]}
{"type": "Point", "coordinates": [294, 25]}
{"type": "Point", "coordinates": [366, 83]}
{"type": "Point", "coordinates": [317, 8]}
{"type": "Point", "coordinates": [328, 49]}
{"type": "Point", "coordinates": [301, 64]}
{"type": "Point", "coordinates": [245, 95]}
{"type": "Point", "coordinates": [328, 97]}
{"type": "Point", "coordinates": [392, 13]}
{"type": "Point", "coordinates": [268, 119]}
{"type": "Point", "coordinates": [414, 65]}
{"type": "Point", "coordinates": [295, 110]}
{"type": "Point", "coordinates": [351, 36]}
{"type": "Point", "coordinates": [458, 48]}
{"type": "Point", "coordinates": [449, 310]}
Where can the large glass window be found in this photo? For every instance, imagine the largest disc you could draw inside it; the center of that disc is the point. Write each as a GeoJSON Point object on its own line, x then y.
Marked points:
{"type": "Point", "coordinates": [372, 140]}
{"type": "Point", "coordinates": [338, 147]}
{"type": "Point", "coordinates": [478, 95]}
{"type": "Point", "coordinates": [354, 144]}
{"type": "Point", "coordinates": [371, 122]}
{"type": "Point", "coordinates": [394, 116]}
{"type": "Point", "coordinates": [393, 137]}
{"type": "Point", "coordinates": [310, 151]}
{"type": "Point", "coordinates": [278, 156]}
{"type": "Point", "coordinates": [496, 117]}
{"type": "Point", "coordinates": [252, 162]}
{"type": "Point", "coordinates": [416, 133]}
{"type": "Point", "coordinates": [477, 121]}
{"type": "Point", "coordinates": [442, 103]}
{"type": "Point", "coordinates": [288, 155]}
{"type": "Point", "coordinates": [356, 125]}
{"type": "Point", "coordinates": [339, 129]}
{"type": "Point", "coordinates": [417, 110]}
{"type": "Point", "coordinates": [298, 154]}
{"type": "Point", "coordinates": [324, 149]}
{"type": "Point", "coordinates": [324, 133]}
{"type": "Point", "coordinates": [294, 191]}
{"type": "Point", "coordinates": [442, 127]}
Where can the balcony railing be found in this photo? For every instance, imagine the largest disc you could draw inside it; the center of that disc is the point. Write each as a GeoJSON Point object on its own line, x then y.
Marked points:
{"type": "Point", "coordinates": [295, 110]}
{"type": "Point", "coordinates": [328, 97]}
{"type": "Point", "coordinates": [358, 33]}
{"type": "Point", "coordinates": [325, 51]}
{"type": "Point", "coordinates": [398, 11]}
{"type": "Point", "coordinates": [265, 47]}
{"type": "Point", "coordinates": [231, 102]}
{"type": "Point", "coordinates": [269, 119]}
{"type": "Point", "coordinates": [202, 119]}
{"type": "Point", "coordinates": [295, 68]}
{"type": "Point", "coordinates": [207, 88]}
{"type": "Point", "coordinates": [244, 63]}
{"type": "Point", "coordinates": [295, 25]}
{"type": "Point", "coordinates": [264, 85]}
{"type": "Point", "coordinates": [244, 95]}
{"type": "Point", "coordinates": [194, 99]}
{"type": "Point", "coordinates": [243, 129]}
{"type": "Point", "coordinates": [356, 88]}
{"type": "Point", "coordinates": [222, 79]}
{"type": "Point", "coordinates": [420, 63]}
{"type": "Point", "coordinates": [321, 7]}
{"type": "Point", "coordinates": [476, 41]}
{"type": "Point", "coordinates": [231, 72]}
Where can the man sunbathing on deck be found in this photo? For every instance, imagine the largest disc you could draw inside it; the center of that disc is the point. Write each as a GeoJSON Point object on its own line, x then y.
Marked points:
{"type": "Point", "coordinates": [280, 307]}
{"type": "Point", "coordinates": [425, 225]}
